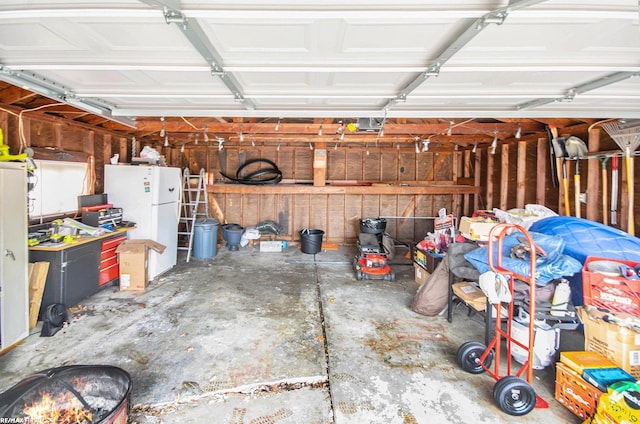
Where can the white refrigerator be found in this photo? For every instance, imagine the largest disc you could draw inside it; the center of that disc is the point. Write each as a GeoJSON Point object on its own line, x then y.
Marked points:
{"type": "Point", "coordinates": [150, 197]}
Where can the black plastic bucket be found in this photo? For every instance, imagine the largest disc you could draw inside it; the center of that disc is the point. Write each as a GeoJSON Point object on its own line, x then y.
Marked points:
{"type": "Point", "coordinates": [311, 240]}
{"type": "Point", "coordinates": [373, 225]}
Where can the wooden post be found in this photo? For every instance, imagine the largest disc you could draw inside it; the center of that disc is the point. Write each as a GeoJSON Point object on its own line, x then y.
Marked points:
{"type": "Point", "coordinates": [457, 199]}
{"type": "Point", "coordinates": [490, 162]}
{"type": "Point", "coordinates": [593, 179]}
{"type": "Point", "coordinates": [504, 177]}
{"type": "Point", "coordinates": [477, 179]}
{"type": "Point", "coordinates": [521, 174]}
{"type": "Point", "coordinates": [320, 165]}
{"type": "Point", "coordinates": [467, 174]}
{"type": "Point", "coordinates": [541, 168]}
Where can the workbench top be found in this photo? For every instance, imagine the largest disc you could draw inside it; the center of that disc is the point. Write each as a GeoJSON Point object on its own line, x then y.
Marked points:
{"type": "Point", "coordinates": [55, 247]}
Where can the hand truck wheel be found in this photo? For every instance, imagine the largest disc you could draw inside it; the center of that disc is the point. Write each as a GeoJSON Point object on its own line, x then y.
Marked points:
{"type": "Point", "coordinates": [469, 354]}
{"type": "Point", "coordinates": [514, 395]}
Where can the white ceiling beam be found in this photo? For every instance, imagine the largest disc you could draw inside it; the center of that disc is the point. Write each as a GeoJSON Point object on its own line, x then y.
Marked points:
{"type": "Point", "coordinates": [425, 113]}
{"type": "Point", "coordinates": [405, 14]}
{"type": "Point", "coordinates": [319, 68]}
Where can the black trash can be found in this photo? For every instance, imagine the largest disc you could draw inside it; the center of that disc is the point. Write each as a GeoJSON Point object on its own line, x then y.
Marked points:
{"type": "Point", "coordinates": [311, 240]}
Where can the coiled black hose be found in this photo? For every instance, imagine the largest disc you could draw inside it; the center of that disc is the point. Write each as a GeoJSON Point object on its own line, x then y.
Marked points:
{"type": "Point", "coordinates": [264, 176]}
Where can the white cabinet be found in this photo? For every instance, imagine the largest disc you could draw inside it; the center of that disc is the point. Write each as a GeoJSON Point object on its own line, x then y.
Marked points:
{"type": "Point", "coordinates": [14, 286]}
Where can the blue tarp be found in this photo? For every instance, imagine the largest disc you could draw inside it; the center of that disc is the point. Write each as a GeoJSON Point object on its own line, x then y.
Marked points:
{"type": "Point", "coordinates": [585, 238]}
{"type": "Point", "coordinates": [550, 267]}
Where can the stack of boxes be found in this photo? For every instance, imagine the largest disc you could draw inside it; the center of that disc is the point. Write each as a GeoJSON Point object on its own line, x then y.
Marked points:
{"type": "Point", "coordinates": [424, 263]}
{"type": "Point", "coordinates": [611, 313]}
{"type": "Point", "coordinates": [611, 319]}
{"type": "Point", "coordinates": [582, 377]}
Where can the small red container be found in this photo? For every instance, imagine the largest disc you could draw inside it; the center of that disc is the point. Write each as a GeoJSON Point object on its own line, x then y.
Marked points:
{"type": "Point", "coordinates": [613, 293]}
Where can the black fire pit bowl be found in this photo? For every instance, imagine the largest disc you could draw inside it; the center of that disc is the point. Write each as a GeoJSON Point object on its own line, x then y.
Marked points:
{"type": "Point", "coordinates": [373, 225]}
{"type": "Point", "coordinates": [102, 390]}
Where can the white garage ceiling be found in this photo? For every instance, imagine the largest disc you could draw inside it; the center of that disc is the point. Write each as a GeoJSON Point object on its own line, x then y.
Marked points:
{"type": "Point", "coordinates": [132, 59]}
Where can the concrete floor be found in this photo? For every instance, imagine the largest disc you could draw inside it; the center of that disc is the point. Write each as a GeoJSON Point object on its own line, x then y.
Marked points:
{"type": "Point", "coordinates": [262, 338]}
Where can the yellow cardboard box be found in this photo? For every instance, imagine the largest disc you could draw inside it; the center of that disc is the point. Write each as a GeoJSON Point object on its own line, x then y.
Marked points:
{"type": "Point", "coordinates": [471, 294]}
{"type": "Point", "coordinates": [476, 228]}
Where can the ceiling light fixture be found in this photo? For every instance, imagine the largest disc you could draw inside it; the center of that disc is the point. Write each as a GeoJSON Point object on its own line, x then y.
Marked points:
{"type": "Point", "coordinates": [166, 140]}
{"type": "Point", "coordinates": [417, 148]}
{"type": "Point", "coordinates": [320, 130]}
{"type": "Point", "coordinates": [450, 130]}
{"type": "Point", "coordinates": [220, 143]}
{"type": "Point", "coordinates": [494, 143]}
{"type": "Point", "coordinates": [241, 136]}
{"type": "Point", "coordinates": [197, 138]}
{"type": "Point", "coordinates": [310, 146]}
{"type": "Point", "coordinates": [475, 147]}
{"type": "Point", "coordinates": [162, 130]}
{"type": "Point", "coordinates": [278, 148]}
{"type": "Point", "coordinates": [278, 125]}
{"type": "Point", "coordinates": [182, 148]}
{"type": "Point", "coordinates": [519, 131]}
{"type": "Point", "coordinates": [206, 136]}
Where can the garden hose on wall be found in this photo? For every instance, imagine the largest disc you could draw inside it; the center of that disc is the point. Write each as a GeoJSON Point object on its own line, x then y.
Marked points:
{"type": "Point", "coordinates": [263, 176]}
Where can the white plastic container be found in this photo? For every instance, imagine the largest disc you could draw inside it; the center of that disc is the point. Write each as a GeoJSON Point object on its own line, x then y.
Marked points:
{"type": "Point", "coordinates": [545, 345]}
{"type": "Point", "coordinates": [560, 300]}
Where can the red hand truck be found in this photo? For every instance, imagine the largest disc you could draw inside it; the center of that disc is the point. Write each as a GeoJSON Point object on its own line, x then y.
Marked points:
{"type": "Point", "coordinates": [513, 390]}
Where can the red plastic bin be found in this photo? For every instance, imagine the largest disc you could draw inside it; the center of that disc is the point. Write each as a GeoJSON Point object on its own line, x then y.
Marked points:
{"type": "Point", "coordinates": [613, 293]}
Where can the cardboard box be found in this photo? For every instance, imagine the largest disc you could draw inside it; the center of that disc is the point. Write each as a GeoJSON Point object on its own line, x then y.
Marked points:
{"type": "Point", "coordinates": [421, 274]}
{"type": "Point", "coordinates": [476, 228]}
{"type": "Point", "coordinates": [429, 261]}
{"type": "Point", "coordinates": [471, 294]}
{"type": "Point", "coordinates": [619, 344]}
{"type": "Point", "coordinates": [133, 257]}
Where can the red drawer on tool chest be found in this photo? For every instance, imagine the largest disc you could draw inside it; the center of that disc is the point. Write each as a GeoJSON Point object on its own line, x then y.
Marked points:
{"type": "Point", "coordinates": [109, 268]}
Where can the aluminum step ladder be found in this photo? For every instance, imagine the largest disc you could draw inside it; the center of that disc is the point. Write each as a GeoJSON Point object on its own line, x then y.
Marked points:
{"type": "Point", "coordinates": [194, 205]}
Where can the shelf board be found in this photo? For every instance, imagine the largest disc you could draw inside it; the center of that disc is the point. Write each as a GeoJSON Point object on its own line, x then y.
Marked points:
{"type": "Point", "coordinates": [374, 189]}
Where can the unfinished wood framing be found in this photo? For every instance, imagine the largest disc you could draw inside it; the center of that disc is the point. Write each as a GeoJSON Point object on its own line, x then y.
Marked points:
{"type": "Point", "coordinates": [356, 181]}
{"type": "Point", "coordinates": [521, 174]}
{"type": "Point", "coordinates": [594, 209]}
{"type": "Point", "coordinates": [542, 158]}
